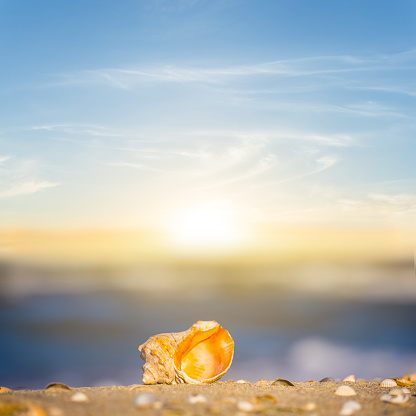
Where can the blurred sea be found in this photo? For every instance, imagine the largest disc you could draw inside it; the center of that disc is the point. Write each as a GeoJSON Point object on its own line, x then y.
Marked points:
{"type": "Point", "coordinates": [83, 327]}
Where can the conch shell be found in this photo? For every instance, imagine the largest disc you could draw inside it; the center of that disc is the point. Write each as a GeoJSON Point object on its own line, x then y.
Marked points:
{"type": "Point", "coordinates": [201, 354]}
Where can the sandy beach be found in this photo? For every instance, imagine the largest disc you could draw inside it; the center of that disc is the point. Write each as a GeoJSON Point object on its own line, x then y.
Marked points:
{"type": "Point", "coordinates": [221, 398]}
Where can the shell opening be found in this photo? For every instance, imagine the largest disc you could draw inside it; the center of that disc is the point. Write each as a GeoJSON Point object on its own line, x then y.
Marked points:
{"type": "Point", "coordinates": [205, 355]}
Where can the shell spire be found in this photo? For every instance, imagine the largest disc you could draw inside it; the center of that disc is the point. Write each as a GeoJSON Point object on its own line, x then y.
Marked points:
{"type": "Point", "coordinates": [201, 354]}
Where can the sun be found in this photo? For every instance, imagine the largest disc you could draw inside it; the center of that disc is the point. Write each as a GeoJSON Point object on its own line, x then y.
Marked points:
{"type": "Point", "coordinates": [210, 226]}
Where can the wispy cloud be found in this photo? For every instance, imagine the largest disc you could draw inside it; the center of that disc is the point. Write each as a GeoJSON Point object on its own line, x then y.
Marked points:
{"type": "Point", "coordinates": [264, 164]}
{"type": "Point", "coordinates": [167, 6]}
{"type": "Point", "coordinates": [128, 78]}
{"type": "Point", "coordinates": [85, 129]}
{"type": "Point", "coordinates": [4, 159]}
{"type": "Point", "coordinates": [322, 163]}
{"type": "Point", "coordinates": [26, 188]}
{"type": "Point", "coordinates": [138, 166]}
{"type": "Point", "coordinates": [393, 89]}
{"type": "Point", "coordinates": [272, 136]}
{"type": "Point", "coordinates": [394, 205]}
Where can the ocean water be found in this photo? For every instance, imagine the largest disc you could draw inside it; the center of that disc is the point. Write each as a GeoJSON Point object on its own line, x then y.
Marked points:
{"type": "Point", "coordinates": [89, 337]}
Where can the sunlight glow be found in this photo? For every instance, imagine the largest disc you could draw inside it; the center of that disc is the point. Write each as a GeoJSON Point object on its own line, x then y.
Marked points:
{"type": "Point", "coordinates": [207, 226]}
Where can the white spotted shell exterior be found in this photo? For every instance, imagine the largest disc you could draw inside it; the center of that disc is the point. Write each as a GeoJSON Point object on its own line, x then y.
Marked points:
{"type": "Point", "coordinates": [201, 354]}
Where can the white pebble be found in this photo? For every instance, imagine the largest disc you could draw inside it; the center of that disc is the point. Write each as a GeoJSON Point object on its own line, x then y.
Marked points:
{"type": "Point", "coordinates": [242, 381]}
{"type": "Point", "coordinates": [79, 396]}
{"type": "Point", "coordinates": [245, 406]}
{"type": "Point", "coordinates": [348, 408]}
{"type": "Point", "coordinates": [310, 406]}
{"type": "Point", "coordinates": [199, 398]}
{"type": "Point", "coordinates": [146, 400]}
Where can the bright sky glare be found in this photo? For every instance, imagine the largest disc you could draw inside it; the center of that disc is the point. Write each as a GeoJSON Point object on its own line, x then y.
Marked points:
{"type": "Point", "coordinates": [291, 111]}
{"type": "Point", "coordinates": [208, 226]}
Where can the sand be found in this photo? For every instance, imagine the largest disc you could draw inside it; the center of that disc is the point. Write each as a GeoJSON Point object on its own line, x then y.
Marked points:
{"type": "Point", "coordinates": [221, 398]}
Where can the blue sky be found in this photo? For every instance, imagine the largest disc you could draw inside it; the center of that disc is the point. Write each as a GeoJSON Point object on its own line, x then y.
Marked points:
{"type": "Point", "coordinates": [129, 113]}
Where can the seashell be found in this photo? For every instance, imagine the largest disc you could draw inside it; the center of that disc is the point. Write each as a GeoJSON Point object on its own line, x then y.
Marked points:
{"type": "Point", "coordinates": [201, 354]}
{"type": "Point", "coordinates": [350, 378]}
{"type": "Point", "coordinates": [327, 380]}
{"type": "Point", "coordinates": [345, 391]}
{"type": "Point", "coordinates": [147, 401]}
{"type": "Point", "coordinates": [282, 382]}
{"type": "Point", "coordinates": [401, 382]}
{"type": "Point", "coordinates": [137, 387]}
{"type": "Point", "coordinates": [57, 386]}
{"type": "Point", "coordinates": [5, 390]}
{"type": "Point", "coordinates": [245, 406]}
{"type": "Point", "coordinates": [388, 382]}
{"type": "Point", "coordinates": [397, 396]}
{"type": "Point", "coordinates": [198, 398]}
{"type": "Point", "coordinates": [242, 381]}
{"type": "Point", "coordinates": [79, 397]}
{"type": "Point", "coordinates": [409, 377]}
{"type": "Point", "coordinates": [348, 408]}
{"type": "Point", "coordinates": [265, 399]}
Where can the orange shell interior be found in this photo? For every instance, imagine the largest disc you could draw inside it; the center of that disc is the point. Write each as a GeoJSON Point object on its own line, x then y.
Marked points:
{"type": "Point", "coordinates": [203, 355]}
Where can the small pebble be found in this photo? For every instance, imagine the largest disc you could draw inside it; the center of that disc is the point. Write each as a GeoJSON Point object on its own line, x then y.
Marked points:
{"type": "Point", "coordinates": [242, 381]}
{"type": "Point", "coordinates": [79, 396]}
{"type": "Point", "coordinates": [348, 408]}
{"type": "Point", "coordinates": [310, 407]}
{"type": "Point", "coordinates": [199, 398]}
{"type": "Point", "coordinates": [245, 406]}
